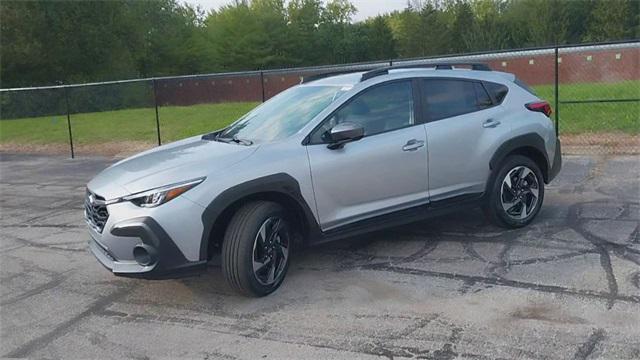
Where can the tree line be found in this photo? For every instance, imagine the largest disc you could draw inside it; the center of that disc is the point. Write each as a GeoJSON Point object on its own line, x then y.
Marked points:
{"type": "Point", "coordinates": [49, 42]}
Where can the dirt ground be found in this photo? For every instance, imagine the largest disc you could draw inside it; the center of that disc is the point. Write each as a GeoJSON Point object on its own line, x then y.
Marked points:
{"type": "Point", "coordinates": [572, 144]}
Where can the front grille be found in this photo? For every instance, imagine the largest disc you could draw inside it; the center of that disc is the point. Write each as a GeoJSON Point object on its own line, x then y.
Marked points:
{"type": "Point", "coordinates": [95, 211]}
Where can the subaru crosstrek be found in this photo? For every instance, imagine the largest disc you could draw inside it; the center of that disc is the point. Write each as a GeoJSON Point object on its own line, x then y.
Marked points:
{"type": "Point", "coordinates": [330, 158]}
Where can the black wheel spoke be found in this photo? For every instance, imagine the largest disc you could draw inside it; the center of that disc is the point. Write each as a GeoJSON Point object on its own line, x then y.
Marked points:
{"type": "Point", "coordinates": [271, 274]}
{"type": "Point", "coordinates": [259, 266]}
{"type": "Point", "coordinates": [519, 192]}
{"type": "Point", "coordinates": [508, 206]}
{"type": "Point", "coordinates": [270, 251]}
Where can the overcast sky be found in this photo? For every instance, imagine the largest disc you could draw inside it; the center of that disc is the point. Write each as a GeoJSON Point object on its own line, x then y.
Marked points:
{"type": "Point", "coordinates": [366, 8]}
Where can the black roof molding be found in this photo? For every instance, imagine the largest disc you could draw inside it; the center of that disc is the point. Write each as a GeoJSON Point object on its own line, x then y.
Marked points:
{"type": "Point", "coordinates": [438, 66]}
{"type": "Point", "coordinates": [314, 77]}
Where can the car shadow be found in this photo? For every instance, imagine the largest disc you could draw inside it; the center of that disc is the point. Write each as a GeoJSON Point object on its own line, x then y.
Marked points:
{"type": "Point", "coordinates": [394, 244]}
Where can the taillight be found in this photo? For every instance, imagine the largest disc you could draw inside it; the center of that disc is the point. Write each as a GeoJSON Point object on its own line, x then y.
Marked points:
{"type": "Point", "coordinates": [540, 106]}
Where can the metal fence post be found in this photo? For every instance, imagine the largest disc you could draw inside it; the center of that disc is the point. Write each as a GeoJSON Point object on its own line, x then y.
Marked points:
{"type": "Point", "coordinates": [557, 103]}
{"type": "Point", "coordinates": [66, 98]}
{"type": "Point", "coordinates": [262, 84]}
{"type": "Point", "coordinates": [155, 101]}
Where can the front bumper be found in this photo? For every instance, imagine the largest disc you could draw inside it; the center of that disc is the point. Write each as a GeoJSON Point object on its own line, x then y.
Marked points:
{"type": "Point", "coordinates": [154, 255]}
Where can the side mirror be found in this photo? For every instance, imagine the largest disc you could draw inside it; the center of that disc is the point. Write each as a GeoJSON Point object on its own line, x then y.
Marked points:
{"type": "Point", "coordinates": [344, 133]}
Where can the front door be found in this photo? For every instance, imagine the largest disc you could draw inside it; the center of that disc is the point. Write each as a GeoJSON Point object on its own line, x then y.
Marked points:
{"type": "Point", "coordinates": [384, 171]}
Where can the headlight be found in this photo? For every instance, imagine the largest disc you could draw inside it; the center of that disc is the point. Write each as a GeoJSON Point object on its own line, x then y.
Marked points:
{"type": "Point", "coordinates": [158, 196]}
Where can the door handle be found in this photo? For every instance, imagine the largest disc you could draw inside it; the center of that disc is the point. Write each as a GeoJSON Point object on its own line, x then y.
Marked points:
{"type": "Point", "coordinates": [412, 145]}
{"type": "Point", "coordinates": [490, 123]}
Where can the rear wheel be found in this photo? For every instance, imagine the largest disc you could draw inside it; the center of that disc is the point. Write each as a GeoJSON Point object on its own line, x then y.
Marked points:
{"type": "Point", "coordinates": [516, 194]}
{"type": "Point", "coordinates": [255, 249]}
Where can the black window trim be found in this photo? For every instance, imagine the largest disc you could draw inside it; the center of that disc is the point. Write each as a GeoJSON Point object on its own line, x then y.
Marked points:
{"type": "Point", "coordinates": [493, 100]}
{"type": "Point", "coordinates": [416, 94]}
{"type": "Point", "coordinates": [492, 95]}
{"type": "Point", "coordinates": [421, 81]}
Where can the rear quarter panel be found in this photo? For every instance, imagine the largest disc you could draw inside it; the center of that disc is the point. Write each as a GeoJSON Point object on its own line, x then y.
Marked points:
{"type": "Point", "coordinates": [524, 121]}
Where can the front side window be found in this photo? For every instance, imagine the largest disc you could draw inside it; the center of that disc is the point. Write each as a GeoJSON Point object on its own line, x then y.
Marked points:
{"type": "Point", "coordinates": [379, 109]}
{"type": "Point", "coordinates": [283, 115]}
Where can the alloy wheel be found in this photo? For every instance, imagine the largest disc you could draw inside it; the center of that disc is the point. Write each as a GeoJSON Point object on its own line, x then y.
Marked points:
{"type": "Point", "coordinates": [271, 251]}
{"type": "Point", "coordinates": [519, 193]}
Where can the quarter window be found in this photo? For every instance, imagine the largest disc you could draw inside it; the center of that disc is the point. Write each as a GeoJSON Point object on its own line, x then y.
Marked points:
{"type": "Point", "coordinates": [499, 91]}
{"type": "Point", "coordinates": [483, 99]}
{"type": "Point", "coordinates": [382, 108]}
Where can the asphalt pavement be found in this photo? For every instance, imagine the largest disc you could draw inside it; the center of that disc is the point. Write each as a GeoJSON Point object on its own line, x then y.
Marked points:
{"type": "Point", "coordinates": [565, 287]}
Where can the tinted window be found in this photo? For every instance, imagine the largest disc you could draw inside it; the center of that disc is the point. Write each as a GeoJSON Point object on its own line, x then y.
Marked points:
{"type": "Point", "coordinates": [497, 90]}
{"type": "Point", "coordinates": [379, 109]}
{"type": "Point", "coordinates": [483, 100]}
{"type": "Point", "coordinates": [447, 98]}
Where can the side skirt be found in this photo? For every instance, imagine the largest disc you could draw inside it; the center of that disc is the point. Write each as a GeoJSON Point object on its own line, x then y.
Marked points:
{"type": "Point", "coordinates": [402, 217]}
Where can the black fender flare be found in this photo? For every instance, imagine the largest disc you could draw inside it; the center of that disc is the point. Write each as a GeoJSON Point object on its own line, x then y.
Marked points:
{"type": "Point", "coordinates": [529, 140]}
{"type": "Point", "coordinates": [280, 183]}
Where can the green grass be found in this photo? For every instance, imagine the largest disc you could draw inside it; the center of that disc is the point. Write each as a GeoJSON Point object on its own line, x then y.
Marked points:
{"type": "Point", "coordinates": [177, 122]}
{"type": "Point", "coordinates": [596, 117]}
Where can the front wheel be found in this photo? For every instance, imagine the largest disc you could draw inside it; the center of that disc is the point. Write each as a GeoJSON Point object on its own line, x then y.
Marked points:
{"type": "Point", "coordinates": [517, 192]}
{"type": "Point", "coordinates": [255, 249]}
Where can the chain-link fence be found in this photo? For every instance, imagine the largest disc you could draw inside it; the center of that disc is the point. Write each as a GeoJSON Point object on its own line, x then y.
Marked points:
{"type": "Point", "coordinates": [594, 90]}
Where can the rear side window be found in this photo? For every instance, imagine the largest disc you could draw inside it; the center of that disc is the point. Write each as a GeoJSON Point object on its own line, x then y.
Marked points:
{"type": "Point", "coordinates": [445, 98]}
{"type": "Point", "coordinates": [498, 91]}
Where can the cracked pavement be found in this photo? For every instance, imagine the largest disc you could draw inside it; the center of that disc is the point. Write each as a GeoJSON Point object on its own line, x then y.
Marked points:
{"type": "Point", "coordinates": [567, 286]}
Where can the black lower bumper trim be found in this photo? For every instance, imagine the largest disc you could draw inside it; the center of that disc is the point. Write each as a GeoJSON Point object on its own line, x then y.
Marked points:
{"type": "Point", "coordinates": [167, 260]}
{"type": "Point", "coordinates": [191, 269]}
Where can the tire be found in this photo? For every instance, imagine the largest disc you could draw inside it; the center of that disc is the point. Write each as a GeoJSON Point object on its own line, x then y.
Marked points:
{"type": "Point", "coordinates": [257, 231]}
{"type": "Point", "coordinates": [513, 207]}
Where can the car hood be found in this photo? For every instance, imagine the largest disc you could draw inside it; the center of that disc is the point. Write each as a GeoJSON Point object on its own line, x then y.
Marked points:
{"type": "Point", "coordinates": [176, 162]}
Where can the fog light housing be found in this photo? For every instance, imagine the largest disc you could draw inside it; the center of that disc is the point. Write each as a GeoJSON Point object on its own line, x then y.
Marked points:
{"type": "Point", "coordinates": [145, 255]}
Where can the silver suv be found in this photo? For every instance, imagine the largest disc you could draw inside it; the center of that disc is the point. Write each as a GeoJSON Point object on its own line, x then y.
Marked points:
{"type": "Point", "coordinates": [330, 158]}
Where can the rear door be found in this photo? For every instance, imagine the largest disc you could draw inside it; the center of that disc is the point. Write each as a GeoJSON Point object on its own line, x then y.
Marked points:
{"type": "Point", "coordinates": [384, 171]}
{"type": "Point", "coordinates": [464, 127]}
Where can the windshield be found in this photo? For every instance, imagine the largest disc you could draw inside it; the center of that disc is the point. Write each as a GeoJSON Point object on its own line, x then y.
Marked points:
{"type": "Point", "coordinates": [283, 115]}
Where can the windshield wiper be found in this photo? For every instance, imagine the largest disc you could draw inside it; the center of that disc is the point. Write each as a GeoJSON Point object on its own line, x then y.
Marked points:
{"type": "Point", "coordinates": [244, 142]}
{"type": "Point", "coordinates": [235, 139]}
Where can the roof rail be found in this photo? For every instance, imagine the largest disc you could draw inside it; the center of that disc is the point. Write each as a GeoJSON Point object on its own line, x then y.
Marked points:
{"type": "Point", "coordinates": [314, 77]}
{"type": "Point", "coordinates": [438, 66]}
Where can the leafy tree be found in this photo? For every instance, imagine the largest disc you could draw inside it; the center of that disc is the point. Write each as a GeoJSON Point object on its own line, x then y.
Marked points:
{"type": "Point", "coordinates": [304, 20]}
{"type": "Point", "coordinates": [48, 42]}
{"type": "Point", "coordinates": [338, 12]}
{"type": "Point", "coordinates": [490, 31]}
{"type": "Point", "coordinates": [613, 19]}
{"type": "Point", "coordinates": [380, 42]}
{"type": "Point", "coordinates": [548, 22]}
{"type": "Point", "coordinates": [45, 42]}
{"type": "Point", "coordinates": [578, 13]}
{"type": "Point", "coordinates": [463, 28]}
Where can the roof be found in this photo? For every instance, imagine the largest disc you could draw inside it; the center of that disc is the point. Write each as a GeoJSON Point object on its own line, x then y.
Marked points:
{"type": "Point", "coordinates": [351, 79]}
